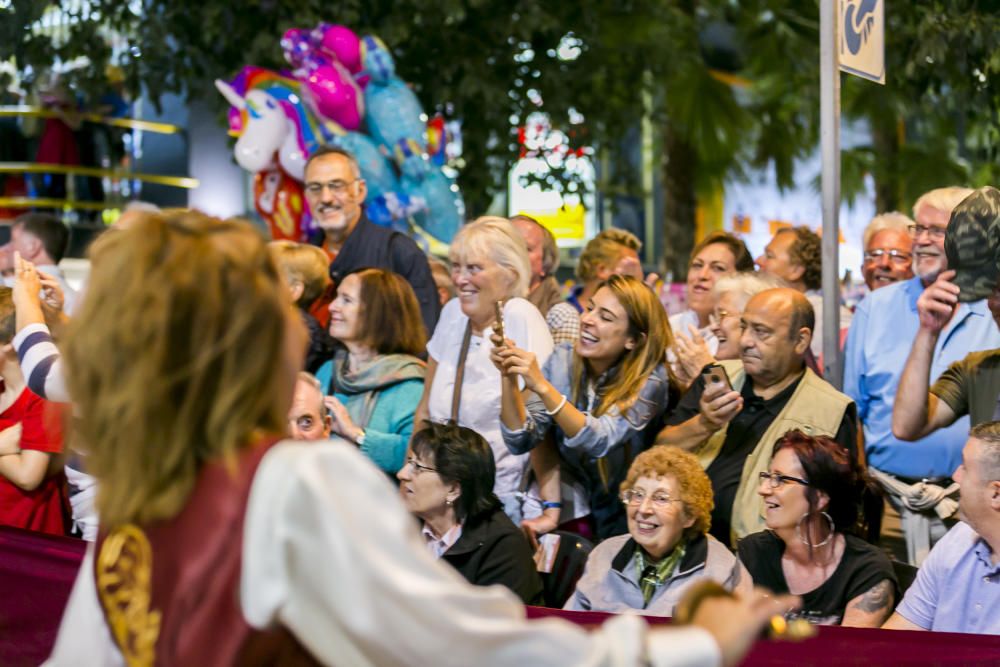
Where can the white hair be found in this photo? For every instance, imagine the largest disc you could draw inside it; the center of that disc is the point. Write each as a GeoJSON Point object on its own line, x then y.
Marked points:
{"type": "Point", "coordinates": [883, 221]}
{"type": "Point", "coordinates": [495, 238]}
{"type": "Point", "coordinates": [942, 199]}
{"type": "Point", "coordinates": [745, 285]}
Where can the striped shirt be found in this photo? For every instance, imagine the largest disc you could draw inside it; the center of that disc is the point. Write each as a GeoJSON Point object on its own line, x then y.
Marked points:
{"type": "Point", "coordinates": [41, 363]}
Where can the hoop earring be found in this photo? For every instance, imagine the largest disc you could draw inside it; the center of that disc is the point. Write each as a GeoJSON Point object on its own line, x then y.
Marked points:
{"type": "Point", "coordinates": [798, 531]}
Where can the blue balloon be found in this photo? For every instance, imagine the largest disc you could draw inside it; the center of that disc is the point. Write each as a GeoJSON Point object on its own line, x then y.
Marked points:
{"type": "Point", "coordinates": [445, 211]}
{"type": "Point", "coordinates": [392, 111]}
{"type": "Point", "coordinates": [375, 167]}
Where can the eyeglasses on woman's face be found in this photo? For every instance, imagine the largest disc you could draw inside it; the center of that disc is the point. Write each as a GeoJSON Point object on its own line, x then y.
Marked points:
{"type": "Point", "coordinates": [776, 479]}
{"type": "Point", "coordinates": [660, 499]}
{"type": "Point", "coordinates": [416, 467]}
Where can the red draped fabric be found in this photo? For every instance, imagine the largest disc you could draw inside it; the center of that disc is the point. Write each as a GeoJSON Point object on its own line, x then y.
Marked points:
{"type": "Point", "coordinates": [36, 575]}
{"type": "Point", "coordinates": [859, 647]}
{"type": "Point", "coordinates": [37, 572]}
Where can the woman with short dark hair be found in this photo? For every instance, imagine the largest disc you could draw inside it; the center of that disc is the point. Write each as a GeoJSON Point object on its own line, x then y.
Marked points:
{"type": "Point", "coordinates": [375, 380]}
{"type": "Point", "coordinates": [447, 482]}
{"type": "Point", "coordinates": [812, 494]}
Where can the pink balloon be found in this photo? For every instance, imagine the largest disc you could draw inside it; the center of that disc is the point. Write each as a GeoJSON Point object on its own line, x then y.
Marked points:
{"type": "Point", "coordinates": [341, 43]}
{"type": "Point", "coordinates": [334, 97]}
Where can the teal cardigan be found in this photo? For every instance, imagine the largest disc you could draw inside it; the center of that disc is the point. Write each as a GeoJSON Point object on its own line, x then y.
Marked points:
{"type": "Point", "coordinates": [391, 423]}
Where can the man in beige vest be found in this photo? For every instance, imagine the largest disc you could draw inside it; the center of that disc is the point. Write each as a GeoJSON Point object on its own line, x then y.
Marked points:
{"type": "Point", "coordinates": [733, 431]}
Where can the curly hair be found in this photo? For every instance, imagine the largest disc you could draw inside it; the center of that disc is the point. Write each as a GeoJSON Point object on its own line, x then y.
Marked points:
{"type": "Point", "coordinates": [807, 252]}
{"type": "Point", "coordinates": [695, 487]}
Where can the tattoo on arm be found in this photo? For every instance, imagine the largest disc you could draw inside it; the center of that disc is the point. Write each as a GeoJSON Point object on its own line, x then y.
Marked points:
{"type": "Point", "coordinates": [877, 598]}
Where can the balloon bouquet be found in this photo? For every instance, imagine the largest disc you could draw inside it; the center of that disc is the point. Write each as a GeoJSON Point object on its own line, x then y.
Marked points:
{"type": "Point", "coordinates": [342, 91]}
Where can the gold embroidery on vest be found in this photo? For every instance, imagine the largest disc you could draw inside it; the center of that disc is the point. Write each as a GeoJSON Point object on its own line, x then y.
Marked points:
{"type": "Point", "coordinates": [124, 583]}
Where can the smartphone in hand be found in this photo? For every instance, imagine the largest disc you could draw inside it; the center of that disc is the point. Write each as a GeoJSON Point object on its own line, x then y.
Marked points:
{"type": "Point", "coordinates": [716, 374]}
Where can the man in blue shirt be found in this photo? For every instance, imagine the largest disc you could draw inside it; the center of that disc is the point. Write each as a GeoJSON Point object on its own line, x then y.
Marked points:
{"type": "Point", "coordinates": [878, 344]}
{"type": "Point", "coordinates": [958, 587]}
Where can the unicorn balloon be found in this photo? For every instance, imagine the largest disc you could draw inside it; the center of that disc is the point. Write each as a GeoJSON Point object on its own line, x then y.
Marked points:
{"type": "Point", "coordinates": [274, 125]}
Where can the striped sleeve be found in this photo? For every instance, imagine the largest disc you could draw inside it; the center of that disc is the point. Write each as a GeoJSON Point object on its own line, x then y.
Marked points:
{"type": "Point", "coordinates": [40, 362]}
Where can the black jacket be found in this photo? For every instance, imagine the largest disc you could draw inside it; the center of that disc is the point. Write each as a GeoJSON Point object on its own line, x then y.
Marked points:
{"type": "Point", "coordinates": [370, 246]}
{"type": "Point", "coordinates": [492, 550]}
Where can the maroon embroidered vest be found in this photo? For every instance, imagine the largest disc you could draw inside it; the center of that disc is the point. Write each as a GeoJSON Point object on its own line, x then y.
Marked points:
{"type": "Point", "coordinates": [170, 590]}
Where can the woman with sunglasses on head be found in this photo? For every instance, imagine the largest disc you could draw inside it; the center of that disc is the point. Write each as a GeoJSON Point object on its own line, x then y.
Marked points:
{"type": "Point", "coordinates": [447, 483]}
{"type": "Point", "coordinates": [596, 399]}
{"type": "Point", "coordinates": [812, 494]}
{"type": "Point", "coordinates": [668, 501]}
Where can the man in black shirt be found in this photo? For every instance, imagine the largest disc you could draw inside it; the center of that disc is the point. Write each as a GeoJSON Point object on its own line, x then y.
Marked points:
{"type": "Point", "coordinates": [336, 191]}
{"type": "Point", "coordinates": [734, 430]}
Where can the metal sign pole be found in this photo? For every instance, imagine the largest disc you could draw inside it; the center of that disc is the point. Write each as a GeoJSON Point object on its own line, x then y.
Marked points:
{"type": "Point", "coordinates": [829, 96]}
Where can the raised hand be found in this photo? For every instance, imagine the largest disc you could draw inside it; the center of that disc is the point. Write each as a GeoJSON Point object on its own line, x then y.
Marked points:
{"type": "Point", "coordinates": [719, 405]}
{"type": "Point", "coordinates": [937, 303]}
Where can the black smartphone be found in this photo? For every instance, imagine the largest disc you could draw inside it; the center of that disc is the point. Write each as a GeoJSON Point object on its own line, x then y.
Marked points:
{"type": "Point", "coordinates": [716, 374]}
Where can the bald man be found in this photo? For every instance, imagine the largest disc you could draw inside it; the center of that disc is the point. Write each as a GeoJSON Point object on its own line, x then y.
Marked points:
{"type": "Point", "coordinates": [733, 428]}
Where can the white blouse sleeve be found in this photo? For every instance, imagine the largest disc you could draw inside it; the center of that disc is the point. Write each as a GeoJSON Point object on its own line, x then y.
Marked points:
{"type": "Point", "coordinates": [330, 553]}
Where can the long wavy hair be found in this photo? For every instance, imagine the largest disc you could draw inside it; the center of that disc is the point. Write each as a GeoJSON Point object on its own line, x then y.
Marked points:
{"type": "Point", "coordinates": [176, 358]}
{"type": "Point", "coordinates": [649, 326]}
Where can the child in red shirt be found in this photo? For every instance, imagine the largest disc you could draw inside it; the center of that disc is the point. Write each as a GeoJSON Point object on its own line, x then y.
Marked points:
{"type": "Point", "coordinates": [32, 481]}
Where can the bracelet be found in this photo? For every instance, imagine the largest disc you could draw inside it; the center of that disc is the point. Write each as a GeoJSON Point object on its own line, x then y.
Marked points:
{"type": "Point", "coordinates": [562, 403]}
{"type": "Point", "coordinates": [551, 505]}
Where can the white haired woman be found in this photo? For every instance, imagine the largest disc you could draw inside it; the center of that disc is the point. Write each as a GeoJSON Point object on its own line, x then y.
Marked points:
{"type": "Point", "coordinates": [489, 264]}
{"type": "Point", "coordinates": [730, 294]}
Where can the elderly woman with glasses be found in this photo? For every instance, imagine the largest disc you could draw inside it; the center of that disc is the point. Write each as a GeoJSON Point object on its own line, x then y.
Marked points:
{"type": "Point", "coordinates": [668, 501]}
{"type": "Point", "coordinates": [730, 295]}
{"type": "Point", "coordinates": [811, 495]}
{"type": "Point", "coordinates": [447, 483]}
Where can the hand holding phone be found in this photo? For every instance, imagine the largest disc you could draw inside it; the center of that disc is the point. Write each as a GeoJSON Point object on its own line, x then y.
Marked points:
{"type": "Point", "coordinates": [716, 374]}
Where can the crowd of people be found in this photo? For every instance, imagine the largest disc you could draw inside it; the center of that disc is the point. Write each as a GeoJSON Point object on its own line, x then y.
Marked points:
{"type": "Point", "coordinates": [345, 421]}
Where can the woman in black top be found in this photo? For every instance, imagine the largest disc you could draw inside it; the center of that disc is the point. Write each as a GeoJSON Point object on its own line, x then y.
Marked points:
{"type": "Point", "coordinates": [447, 483]}
{"type": "Point", "coordinates": [812, 494]}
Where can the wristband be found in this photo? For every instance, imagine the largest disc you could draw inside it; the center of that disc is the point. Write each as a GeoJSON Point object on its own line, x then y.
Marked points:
{"type": "Point", "coordinates": [562, 403]}
{"type": "Point", "coordinates": [550, 505]}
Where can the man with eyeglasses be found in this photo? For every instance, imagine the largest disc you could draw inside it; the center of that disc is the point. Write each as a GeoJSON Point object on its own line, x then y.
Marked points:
{"type": "Point", "coordinates": [885, 323]}
{"type": "Point", "coordinates": [336, 193]}
{"type": "Point", "coordinates": [888, 258]}
{"type": "Point", "coordinates": [733, 431]}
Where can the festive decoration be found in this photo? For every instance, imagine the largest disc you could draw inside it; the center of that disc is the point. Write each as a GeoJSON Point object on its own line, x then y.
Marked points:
{"type": "Point", "coordinates": [338, 81]}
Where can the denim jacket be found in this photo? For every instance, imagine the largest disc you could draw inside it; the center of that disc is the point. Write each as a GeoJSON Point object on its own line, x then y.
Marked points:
{"type": "Point", "coordinates": [615, 437]}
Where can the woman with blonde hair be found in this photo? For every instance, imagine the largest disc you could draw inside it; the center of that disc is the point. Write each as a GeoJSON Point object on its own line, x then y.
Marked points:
{"type": "Point", "coordinates": [599, 399]}
{"type": "Point", "coordinates": [306, 269]}
{"type": "Point", "coordinates": [668, 501]}
{"type": "Point", "coordinates": [489, 265]}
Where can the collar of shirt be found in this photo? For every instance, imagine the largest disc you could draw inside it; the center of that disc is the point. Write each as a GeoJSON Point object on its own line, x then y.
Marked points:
{"type": "Point", "coordinates": [438, 546]}
{"type": "Point", "coordinates": [773, 404]}
{"type": "Point", "coordinates": [985, 554]}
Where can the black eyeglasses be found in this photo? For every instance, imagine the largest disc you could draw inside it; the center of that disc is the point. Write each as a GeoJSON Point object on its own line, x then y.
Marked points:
{"type": "Point", "coordinates": [776, 479]}
{"type": "Point", "coordinates": [417, 468]}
